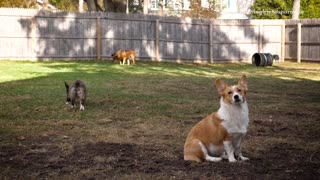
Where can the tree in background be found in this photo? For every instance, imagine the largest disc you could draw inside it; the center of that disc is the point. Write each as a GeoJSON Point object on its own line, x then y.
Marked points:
{"type": "Point", "coordinates": [108, 5]}
{"type": "Point", "coordinates": [282, 9]}
{"type": "Point", "coordinates": [199, 10]}
{"type": "Point", "coordinates": [309, 9]}
{"type": "Point", "coordinates": [68, 5]}
{"type": "Point", "coordinates": [144, 4]}
{"type": "Point", "coordinates": [93, 5]}
{"type": "Point", "coordinates": [161, 6]}
{"type": "Point", "coordinates": [73, 5]}
{"type": "Point", "coordinates": [19, 3]}
{"type": "Point", "coordinates": [269, 9]}
{"type": "Point", "coordinates": [296, 9]}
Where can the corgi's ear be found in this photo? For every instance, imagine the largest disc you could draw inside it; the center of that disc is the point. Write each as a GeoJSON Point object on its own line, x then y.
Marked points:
{"type": "Point", "coordinates": [221, 86]}
{"type": "Point", "coordinates": [243, 82]}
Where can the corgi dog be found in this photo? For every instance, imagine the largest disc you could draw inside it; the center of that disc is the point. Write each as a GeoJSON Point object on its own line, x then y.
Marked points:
{"type": "Point", "coordinates": [131, 55]}
{"type": "Point", "coordinates": [118, 56]}
{"type": "Point", "coordinates": [123, 56]}
{"type": "Point", "coordinates": [220, 134]}
{"type": "Point", "coordinates": [76, 91]}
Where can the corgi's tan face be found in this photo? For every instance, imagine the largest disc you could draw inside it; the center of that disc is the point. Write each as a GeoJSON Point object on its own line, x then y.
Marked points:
{"type": "Point", "coordinates": [233, 94]}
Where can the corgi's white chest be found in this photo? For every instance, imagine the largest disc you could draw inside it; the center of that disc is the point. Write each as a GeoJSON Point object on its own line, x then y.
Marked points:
{"type": "Point", "coordinates": [235, 118]}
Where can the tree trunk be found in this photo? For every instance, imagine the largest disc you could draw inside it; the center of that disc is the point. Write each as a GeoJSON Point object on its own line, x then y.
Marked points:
{"type": "Point", "coordinates": [145, 6]}
{"type": "Point", "coordinates": [296, 9]}
{"type": "Point", "coordinates": [119, 5]}
{"type": "Point", "coordinates": [127, 7]}
{"type": "Point", "coordinates": [160, 9]}
{"type": "Point", "coordinates": [45, 4]}
{"type": "Point", "coordinates": [80, 5]}
{"type": "Point", "coordinates": [92, 6]}
{"type": "Point", "coordinates": [109, 6]}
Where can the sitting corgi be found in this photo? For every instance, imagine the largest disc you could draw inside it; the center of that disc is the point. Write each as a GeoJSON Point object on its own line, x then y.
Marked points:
{"type": "Point", "coordinates": [219, 135]}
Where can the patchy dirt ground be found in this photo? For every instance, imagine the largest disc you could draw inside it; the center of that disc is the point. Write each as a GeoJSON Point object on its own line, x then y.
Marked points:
{"type": "Point", "coordinates": [108, 160]}
{"type": "Point", "coordinates": [269, 158]}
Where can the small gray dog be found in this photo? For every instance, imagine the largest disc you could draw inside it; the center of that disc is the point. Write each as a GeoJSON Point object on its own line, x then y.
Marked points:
{"type": "Point", "coordinates": [76, 91]}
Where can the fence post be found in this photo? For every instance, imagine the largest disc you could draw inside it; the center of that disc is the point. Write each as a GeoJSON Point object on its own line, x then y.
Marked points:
{"type": "Point", "coordinates": [157, 40]}
{"type": "Point", "coordinates": [283, 41]}
{"type": "Point", "coordinates": [299, 42]}
{"type": "Point", "coordinates": [33, 38]}
{"type": "Point", "coordinates": [210, 43]}
{"type": "Point", "coordinates": [99, 38]}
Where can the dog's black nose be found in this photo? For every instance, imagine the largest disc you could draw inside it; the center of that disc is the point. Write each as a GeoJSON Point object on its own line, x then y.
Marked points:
{"type": "Point", "coordinates": [236, 97]}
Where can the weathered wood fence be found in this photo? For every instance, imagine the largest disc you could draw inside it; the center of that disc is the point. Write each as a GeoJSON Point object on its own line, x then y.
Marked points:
{"type": "Point", "coordinates": [32, 34]}
{"type": "Point", "coordinates": [302, 40]}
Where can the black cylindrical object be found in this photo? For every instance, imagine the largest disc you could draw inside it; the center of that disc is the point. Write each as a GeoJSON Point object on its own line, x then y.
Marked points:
{"type": "Point", "coordinates": [262, 59]}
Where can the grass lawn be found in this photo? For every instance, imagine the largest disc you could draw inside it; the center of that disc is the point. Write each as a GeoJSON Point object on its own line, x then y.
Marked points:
{"type": "Point", "coordinates": [137, 118]}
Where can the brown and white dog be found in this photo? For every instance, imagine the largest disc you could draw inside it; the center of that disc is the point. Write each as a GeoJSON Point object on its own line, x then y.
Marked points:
{"type": "Point", "coordinates": [77, 90]}
{"type": "Point", "coordinates": [219, 135]}
{"type": "Point", "coordinates": [131, 54]}
{"type": "Point", "coordinates": [124, 55]}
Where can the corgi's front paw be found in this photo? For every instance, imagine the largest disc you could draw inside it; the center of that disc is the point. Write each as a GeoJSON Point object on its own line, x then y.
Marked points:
{"type": "Point", "coordinates": [242, 158]}
{"type": "Point", "coordinates": [81, 108]}
{"type": "Point", "coordinates": [213, 159]}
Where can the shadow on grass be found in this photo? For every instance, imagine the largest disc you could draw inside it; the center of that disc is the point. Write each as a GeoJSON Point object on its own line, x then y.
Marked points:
{"type": "Point", "coordinates": [111, 84]}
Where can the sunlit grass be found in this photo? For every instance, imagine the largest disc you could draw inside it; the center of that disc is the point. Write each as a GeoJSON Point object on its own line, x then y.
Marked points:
{"type": "Point", "coordinates": [152, 95]}
{"type": "Point", "coordinates": [16, 70]}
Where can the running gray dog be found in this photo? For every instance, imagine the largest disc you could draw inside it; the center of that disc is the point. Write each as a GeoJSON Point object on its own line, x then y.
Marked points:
{"type": "Point", "coordinates": [76, 91]}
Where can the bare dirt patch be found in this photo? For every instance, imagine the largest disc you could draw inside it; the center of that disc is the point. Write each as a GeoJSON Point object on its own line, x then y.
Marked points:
{"type": "Point", "coordinates": [269, 158]}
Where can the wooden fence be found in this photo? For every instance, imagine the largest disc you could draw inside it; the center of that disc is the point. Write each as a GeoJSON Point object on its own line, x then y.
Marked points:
{"type": "Point", "coordinates": [32, 34]}
{"type": "Point", "coordinates": [302, 41]}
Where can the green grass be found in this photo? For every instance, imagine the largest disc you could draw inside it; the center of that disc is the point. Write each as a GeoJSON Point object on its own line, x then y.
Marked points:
{"type": "Point", "coordinates": [146, 102]}
{"type": "Point", "coordinates": [33, 92]}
